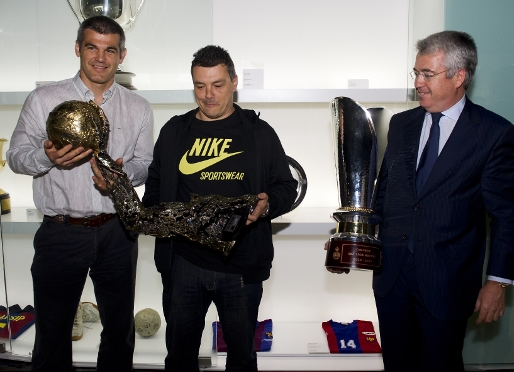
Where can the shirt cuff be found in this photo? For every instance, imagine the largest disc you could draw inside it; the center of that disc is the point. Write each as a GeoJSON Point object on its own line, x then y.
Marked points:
{"type": "Point", "coordinates": [42, 160]}
{"type": "Point", "coordinates": [499, 280]}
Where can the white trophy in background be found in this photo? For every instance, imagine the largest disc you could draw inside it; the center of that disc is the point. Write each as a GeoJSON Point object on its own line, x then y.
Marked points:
{"type": "Point", "coordinates": [122, 11]}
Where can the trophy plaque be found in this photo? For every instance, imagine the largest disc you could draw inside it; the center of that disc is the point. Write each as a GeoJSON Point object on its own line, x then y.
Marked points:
{"type": "Point", "coordinates": [354, 245]}
{"type": "Point", "coordinates": [5, 200]}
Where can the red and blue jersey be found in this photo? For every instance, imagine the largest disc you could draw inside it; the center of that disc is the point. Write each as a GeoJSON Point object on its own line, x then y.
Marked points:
{"type": "Point", "coordinates": [263, 336]}
{"type": "Point", "coordinates": [351, 338]}
{"type": "Point", "coordinates": [20, 320]}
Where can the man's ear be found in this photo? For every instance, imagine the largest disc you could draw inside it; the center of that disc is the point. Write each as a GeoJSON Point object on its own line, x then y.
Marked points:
{"type": "Point", "coordinates": [460, 76]}
{"type": "Point", "coordinates": [234, 83]}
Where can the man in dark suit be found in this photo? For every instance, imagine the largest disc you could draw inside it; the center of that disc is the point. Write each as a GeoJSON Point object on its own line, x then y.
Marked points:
{"type": "Point", "coordinates": [440, 176]}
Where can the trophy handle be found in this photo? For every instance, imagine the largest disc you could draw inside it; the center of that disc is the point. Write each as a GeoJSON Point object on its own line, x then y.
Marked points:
{"type": "Point", "coordinates": [2, 161]}
{"type": "Point", "coordinates": [74, 12]}
{"type": "Point", "coordinates": [132, 19]}
{"type": "Point", "coordinates": [301, 177]}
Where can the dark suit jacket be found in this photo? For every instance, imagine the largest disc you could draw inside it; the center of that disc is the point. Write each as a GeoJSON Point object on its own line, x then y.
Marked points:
{"type": "Point", "coordinates": [473, 174]}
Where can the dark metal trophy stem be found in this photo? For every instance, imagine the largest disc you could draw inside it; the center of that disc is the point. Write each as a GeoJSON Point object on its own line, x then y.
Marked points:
{"type": "Point", "coordinates": [354, 245]}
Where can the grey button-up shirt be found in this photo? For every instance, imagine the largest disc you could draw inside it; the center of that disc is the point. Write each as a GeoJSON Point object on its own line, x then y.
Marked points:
{"type": "Point", "coordinates": [71, 191]}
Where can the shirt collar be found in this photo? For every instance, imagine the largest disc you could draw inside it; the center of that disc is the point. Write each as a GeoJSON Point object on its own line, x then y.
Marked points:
{"type": "Point", "coordinates": [455, 111]}
{"type": "Point", "coordinates": [86, 92]}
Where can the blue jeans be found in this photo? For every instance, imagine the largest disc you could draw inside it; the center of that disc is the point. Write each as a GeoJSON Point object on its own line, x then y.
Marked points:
{"type": "Point", "coordinates": [64, 254]}
{"type": "Point", "coordinates": [186, 303]}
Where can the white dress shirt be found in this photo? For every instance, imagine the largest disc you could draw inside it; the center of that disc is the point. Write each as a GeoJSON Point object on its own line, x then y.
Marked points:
{"type": "Point", "coordinates": [71, 190]}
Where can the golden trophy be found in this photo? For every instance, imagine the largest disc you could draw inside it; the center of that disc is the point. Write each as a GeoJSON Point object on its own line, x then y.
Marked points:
{"type": "Point", "coordinates": [213, 220]}
{"type": "Point", "coordinates": [5, 200]}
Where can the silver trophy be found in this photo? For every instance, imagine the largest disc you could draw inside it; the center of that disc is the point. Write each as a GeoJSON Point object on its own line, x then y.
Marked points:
{"type": "Point", "coordinates": [122, 11]}
{"type": "Point", "coordinates": [354, 245]}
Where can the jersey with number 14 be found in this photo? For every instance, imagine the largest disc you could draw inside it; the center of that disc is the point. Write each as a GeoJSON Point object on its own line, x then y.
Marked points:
{"type": "Point", "coordinates": [353, 338]}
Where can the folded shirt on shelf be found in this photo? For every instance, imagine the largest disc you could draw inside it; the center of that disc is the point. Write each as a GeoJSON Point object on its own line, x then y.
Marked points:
{"type": "Point", "coordinates": [351, 338]}
{"type": "Point", "coordinates": [21, 320]}
{"type": "Point", "coordinates": [263, 336]}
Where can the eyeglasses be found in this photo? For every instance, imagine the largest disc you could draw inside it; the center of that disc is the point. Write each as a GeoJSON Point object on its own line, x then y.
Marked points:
{"type": "Point", "coordinates": [427, 76]}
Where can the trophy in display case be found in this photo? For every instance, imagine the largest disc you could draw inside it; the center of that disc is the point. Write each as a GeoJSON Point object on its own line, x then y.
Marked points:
{"type": "Point", "coordinates": [354, 245]}
{"type": "Point", "coordinates": [5, 200]}
{"type": "Point", "coordinates": [122, 11]}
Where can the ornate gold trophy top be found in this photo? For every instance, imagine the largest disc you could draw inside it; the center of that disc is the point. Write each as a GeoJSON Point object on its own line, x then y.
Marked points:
{"type": "Point", "coordinates": [77, 123]}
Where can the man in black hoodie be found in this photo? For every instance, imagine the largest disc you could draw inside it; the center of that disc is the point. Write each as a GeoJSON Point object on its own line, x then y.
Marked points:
{"type": "Point", "coordinates": [220, 149]}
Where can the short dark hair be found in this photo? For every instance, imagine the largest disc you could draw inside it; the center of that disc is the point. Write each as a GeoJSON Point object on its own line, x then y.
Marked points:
{"type": "Point", "coordinates": [460, 52]}
{"type": "Point", "coordinates": [103, 25]}
{"type": "Point", "coordinates": [211, 56]}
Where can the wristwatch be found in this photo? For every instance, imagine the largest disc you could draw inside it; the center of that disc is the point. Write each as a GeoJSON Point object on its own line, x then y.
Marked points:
{"type": "Point", "coordinates": [265, 214]}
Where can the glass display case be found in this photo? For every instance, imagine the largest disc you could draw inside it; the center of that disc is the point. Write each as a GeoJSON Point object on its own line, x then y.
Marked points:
{"type": "Point", "coordinates": [300, 293]}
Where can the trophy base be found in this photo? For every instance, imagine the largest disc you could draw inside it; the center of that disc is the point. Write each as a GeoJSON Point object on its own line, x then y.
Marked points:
{"type": "Point", "coordinates": [353, 254]}
{"type": "Point", "coordinates": [354, 245]}
{"type": "Point", "coordinates": [124, 78]}
{"type": "Point", "coordinates": [5, 201]}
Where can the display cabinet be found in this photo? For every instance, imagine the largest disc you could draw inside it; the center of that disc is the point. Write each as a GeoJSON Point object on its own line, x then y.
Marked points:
{"type": "Point", "coordinates": [302, 69]}
{"type": "Point", "coordinates": [300, 293]}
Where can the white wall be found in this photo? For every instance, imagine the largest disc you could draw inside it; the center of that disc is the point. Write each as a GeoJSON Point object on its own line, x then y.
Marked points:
{"type": "Point", "coordinates": [302, 44]}
{"type": "Point", "coordinates": [313, 45]}
{"type": "Point", "coordinates": [37, 40]}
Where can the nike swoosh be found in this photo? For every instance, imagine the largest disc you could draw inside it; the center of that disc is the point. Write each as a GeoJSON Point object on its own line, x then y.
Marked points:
{"type": "Point", "coordinates": [187, 168]}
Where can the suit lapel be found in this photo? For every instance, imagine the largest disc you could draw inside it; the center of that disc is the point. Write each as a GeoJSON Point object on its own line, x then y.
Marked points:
{"type": "Point", "coordinates": [411, 144]}
{"type": "Point", "coordinates": [462, 137]}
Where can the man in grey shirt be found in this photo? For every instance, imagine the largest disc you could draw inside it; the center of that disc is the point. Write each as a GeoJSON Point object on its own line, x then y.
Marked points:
{"type": "Point", "coordinates": [81, 231]}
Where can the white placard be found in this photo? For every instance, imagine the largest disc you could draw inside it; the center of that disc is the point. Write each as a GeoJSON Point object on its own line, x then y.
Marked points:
{"type": "Point", "coordinates": [317, 348]}
{"type": "Point", "coordinates": [358, 83]}
{"type": "Point", "coordinates": [253, 78]}
{"type": "Point", "coordinates": [34, 215]}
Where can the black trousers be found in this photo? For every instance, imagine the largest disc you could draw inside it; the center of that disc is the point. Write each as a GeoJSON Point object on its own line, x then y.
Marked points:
{"type": "Point", "coordinates": [64, 254]}
{"type": "Point", "coordinates": [412, 339]}
{"type": "Point", "coordinates": [185, 305]}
